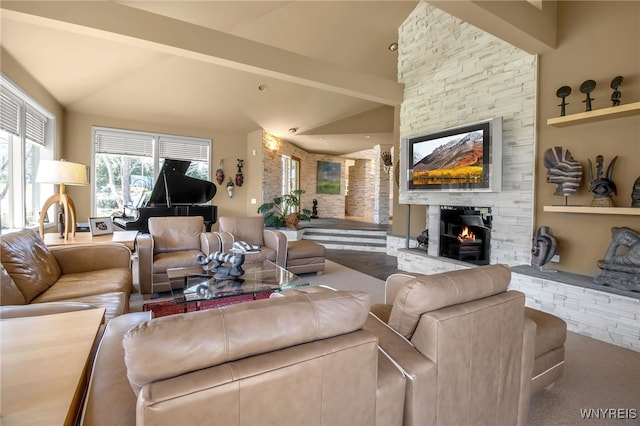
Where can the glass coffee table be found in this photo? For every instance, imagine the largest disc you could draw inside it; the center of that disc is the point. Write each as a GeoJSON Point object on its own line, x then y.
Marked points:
{"type": "Point", "coordinates": [196, 285]}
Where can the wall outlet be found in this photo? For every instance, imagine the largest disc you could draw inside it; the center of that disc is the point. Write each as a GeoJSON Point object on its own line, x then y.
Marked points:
{"type": "Point", "coordinates": [254, 201]}
{"type": "Point", "coordinates": [556, 258]}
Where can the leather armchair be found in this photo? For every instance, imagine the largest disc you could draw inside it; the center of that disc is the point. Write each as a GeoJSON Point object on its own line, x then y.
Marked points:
{"type": "Point", "coordinates": [273, 244]}
{"type": "Point", "coordinates": [172, 242]}
{"type": "Point", "coordinates": [459, 338]}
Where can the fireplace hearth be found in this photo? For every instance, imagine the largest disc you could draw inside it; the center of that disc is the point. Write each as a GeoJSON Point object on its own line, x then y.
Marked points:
{"type": "Point", "coordinates": [465, 233]}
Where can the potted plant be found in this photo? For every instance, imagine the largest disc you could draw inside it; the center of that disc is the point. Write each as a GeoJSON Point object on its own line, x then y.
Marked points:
{"type": "Point", "coordinates": [284, 211]}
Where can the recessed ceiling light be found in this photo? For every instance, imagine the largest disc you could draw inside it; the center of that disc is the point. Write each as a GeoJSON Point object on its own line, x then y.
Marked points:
{"type": "Point", "coordinates": [393, 46]}
{"type": "Point", "coordinates": [263, 88]}
{"type": "Point", "coordinates": [367, 136]}
{"type": "Point", "coordinates": [293, 130]}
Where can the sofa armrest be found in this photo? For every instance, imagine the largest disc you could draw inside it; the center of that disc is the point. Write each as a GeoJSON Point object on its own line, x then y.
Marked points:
{"type": "Point", "coordinates": [144, 248]}
{"type": "Point", "coordinates": [210, 242]}
{"type": "Point", "coordinates": [91, 257]}
{"type": "Point", "coordinates": [277, 241]}
{"type": "Point", "coordinates": [38, 309]}
{"type": "Point", "coordinates": [393, 284]}
{"type": "Point", "coordinates": [421, 373]}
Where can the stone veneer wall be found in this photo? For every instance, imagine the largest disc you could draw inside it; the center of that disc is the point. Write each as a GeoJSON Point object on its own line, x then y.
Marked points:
{"type": "Point", "coordinates": [369, 187]}
{"type": "Point", "coordinates": [329, 205]}
{"type": "Point", "coordinates": [455, 74]}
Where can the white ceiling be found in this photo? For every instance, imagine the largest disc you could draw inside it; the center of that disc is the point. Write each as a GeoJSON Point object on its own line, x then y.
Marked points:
{"type": "Point", "coordinates": [107, 74]}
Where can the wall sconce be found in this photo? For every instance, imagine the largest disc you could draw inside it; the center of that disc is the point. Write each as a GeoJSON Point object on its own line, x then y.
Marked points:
{"type": "Point", "coordinates": [61, 173]}
{"type": "Point", "coordinates": [387, 161]}
{"type": "Point", "coordinates": [230, 187]}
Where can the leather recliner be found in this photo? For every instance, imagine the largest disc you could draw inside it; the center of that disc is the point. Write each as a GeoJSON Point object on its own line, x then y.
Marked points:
{"type": "Point", "coordinates": [459, 337]}
{"type": "Point", "coordinates": [272, 244]}
{"type": "Point", "coordinates": [172, 242]}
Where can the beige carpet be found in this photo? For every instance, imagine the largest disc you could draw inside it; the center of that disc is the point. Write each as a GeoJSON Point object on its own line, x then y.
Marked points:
{"type": "Point", "coordinates": [597, 375]}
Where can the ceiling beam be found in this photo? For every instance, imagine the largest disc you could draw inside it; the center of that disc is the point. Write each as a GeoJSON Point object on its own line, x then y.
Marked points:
{"type": "Point", "coordinates": [117, 22]}
{"type": "Point", "coordinates": [518, 22]}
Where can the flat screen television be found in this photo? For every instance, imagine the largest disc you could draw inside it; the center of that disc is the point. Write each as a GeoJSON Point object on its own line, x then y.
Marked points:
{"type": "Point", "coordinates": [465, 158]}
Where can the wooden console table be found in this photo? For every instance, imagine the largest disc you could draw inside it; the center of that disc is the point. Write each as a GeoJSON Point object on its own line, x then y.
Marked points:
{"type": "Point", "coordinates": [128, 238]}
{"type": "Point", "coordinates": [43, 364]}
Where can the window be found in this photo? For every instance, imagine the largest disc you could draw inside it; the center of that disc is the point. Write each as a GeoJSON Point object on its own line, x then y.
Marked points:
{"type": "Point", "coordinates": [126, 164]}
{"type": "Point", "coordinates": [290, 174]}
{"type": "Point", "coordinates": [26, 136]}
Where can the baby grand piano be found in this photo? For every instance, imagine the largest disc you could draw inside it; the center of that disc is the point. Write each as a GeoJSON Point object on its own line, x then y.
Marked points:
{"type": "Point", "coordinates": [174, 194]}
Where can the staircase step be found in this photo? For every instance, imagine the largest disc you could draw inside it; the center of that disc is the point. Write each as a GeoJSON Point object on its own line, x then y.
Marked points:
{"type": "Point", "coordinates": [348, 239]}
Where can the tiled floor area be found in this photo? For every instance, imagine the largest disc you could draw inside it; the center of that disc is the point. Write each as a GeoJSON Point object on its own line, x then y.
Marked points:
{"type": "Point", "coordinates": [378, 265]}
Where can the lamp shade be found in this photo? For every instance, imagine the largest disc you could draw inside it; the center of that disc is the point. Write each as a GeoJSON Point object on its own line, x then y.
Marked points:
{"type": "Point", "coordinates": [57, 172]}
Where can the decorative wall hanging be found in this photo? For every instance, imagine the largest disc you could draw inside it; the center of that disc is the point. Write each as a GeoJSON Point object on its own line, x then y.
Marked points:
{"type": "Point", "coordinates": [239, 177]}
{"type": "Point", "coordinates": [562, 170]}
{"type": "Point", "coordinates": [616, 95]}
{"type": "Point", "coordinates": [329, 175]}
{"type": "Point", "coordinates": [562, 93]}
{"type": "Point", "coordinates": [600, 184]}
{"type": "Point", "coordinates": [387, 161]}
{"type": "Point", "coordinates": [220, 172]}
{"type": "Point", "coordinates": [230, 188]}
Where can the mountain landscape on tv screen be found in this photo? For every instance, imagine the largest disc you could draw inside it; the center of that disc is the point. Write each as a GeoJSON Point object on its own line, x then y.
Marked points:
{"type": "Point", "coordinates": [464, 152]}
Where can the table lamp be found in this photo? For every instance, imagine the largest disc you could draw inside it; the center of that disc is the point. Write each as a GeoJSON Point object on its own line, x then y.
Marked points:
{"type": "Point", "coordinates": [61, 173]}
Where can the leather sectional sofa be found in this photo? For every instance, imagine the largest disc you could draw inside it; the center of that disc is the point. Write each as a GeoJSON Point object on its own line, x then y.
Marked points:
{"type": "Point", "coordinates": [36, 278]}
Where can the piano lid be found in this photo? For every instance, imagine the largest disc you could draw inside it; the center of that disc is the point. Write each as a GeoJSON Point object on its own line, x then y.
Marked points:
{"type": "Point", "coordinates": [174, 187]}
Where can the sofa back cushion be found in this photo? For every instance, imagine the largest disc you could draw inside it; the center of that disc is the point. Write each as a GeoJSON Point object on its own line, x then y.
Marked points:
{"type": "Point", "coordinates": [427, 293]}
{"type": "Point", "coordinates": [247, 229]}
{"type": "Point", "coordinates": [176, 233]}
{"type": "Point", "coordinates": [29, 262]}
{"type": "Point", "coordinates": [198, 340]}
{"type": "Point", "coordinates": [11, 294]}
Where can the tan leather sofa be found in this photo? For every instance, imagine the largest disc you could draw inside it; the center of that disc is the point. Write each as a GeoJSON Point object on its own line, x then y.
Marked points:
{"type": "Point", "coordinates": [298, 360]}
{"type": "Point", "coordinates": [34, 274]}
{"type": "Point", "coordinates": [459, 337]}
{"type": "Point", "coordinates": [273, 244]}
{"type": "Point", "coordinates": [172, 242]}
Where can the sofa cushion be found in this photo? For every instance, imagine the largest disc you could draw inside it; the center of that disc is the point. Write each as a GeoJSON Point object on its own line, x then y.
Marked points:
{"type": "Point", "coordinates": [427, 293]}
{"type": "Point", "coordinates": [202, 339]}
{"type": "Point", "coordinates": [247, 229]}
{"type": "Point", "coordinates": [176, 233]}
{"type": "Point", "coordinates": [74, 286]}
{"type": "Point", "coordinates": [11, 294]}
{"type": "Point", "coordinates": [175, 259]}
{"type": "Point", "coordinates": [29, 262]}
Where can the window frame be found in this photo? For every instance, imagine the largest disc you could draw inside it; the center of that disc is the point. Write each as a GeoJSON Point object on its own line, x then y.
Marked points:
{"type": "Point", "coordinates": [30, 111]}
{"type": "Point", "coordinates": [159, 144]}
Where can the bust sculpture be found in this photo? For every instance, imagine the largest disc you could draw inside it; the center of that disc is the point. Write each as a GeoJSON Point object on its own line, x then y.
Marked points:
{"type": "Point", "coordinates": [543, 248]}
{"type": "Point", "coordinates": [620, 267]}
{"type": "Point", "coordinates": [562, 170]}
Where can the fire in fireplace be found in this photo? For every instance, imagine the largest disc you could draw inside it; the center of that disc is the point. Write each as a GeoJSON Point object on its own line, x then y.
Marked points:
{"type": "Point", "coordinates": [465, 233]}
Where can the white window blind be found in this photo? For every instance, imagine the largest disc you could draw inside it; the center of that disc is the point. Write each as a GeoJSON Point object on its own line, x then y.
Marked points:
{"type": "Point", "coordinates": [36, 126]}
{"type": "Point", "coordinates": [182, 148]}
{"type": "Point", "coordinates": [123, 143]}
{"type": "Point", "coordinates": [9, 113]}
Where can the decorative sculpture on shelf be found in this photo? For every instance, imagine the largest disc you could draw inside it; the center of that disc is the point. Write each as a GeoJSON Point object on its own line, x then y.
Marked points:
{"type": "Point", "coordinates": [239, 177]}
{"type": "Point", "coordinates": [562, 170]}
{"type": "Point", "coordinates": [387, 161]}
{"type": "Point", "coordinates": [587, 87]}
{"type": "Point", "coordinates": [543, 248]}
{"type": "Point", "coordinates": [314, 209]}
{"type": "Point", "coordinates": [220, 172]}
{"type": "Point", "coordinates": [621, 270]}
{"type": "Point", "coordinates": [222, 272]}
{"type": "Point", "coordinates": [601, 186]}
{"type": "Point", "coordinates": [635, 193]}
{"type": "Point", "coordinates": [616, 95]}
{"type": "Point", "coordinates": [563, 92]}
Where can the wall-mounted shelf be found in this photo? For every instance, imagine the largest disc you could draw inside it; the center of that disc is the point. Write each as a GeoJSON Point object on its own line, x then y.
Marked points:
{"type": "Point", "coordinates": [628, 211]}
{"type": "Point", "coordinates": [597, 115]}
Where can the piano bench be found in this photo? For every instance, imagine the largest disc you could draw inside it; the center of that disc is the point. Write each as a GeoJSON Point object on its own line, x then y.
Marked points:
{"type": "Point", "coordinates": [304, 256]}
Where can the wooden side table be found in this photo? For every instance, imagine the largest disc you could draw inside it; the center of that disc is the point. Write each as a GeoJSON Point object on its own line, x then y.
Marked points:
{"type": "Point", "coordinates": [128, 238]}
{"type": "Point", "coordinates": [44, 366]}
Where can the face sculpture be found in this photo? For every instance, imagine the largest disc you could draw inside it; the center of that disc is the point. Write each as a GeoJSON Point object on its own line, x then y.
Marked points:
{"type": "Point", "coordinates": [562, 170]}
